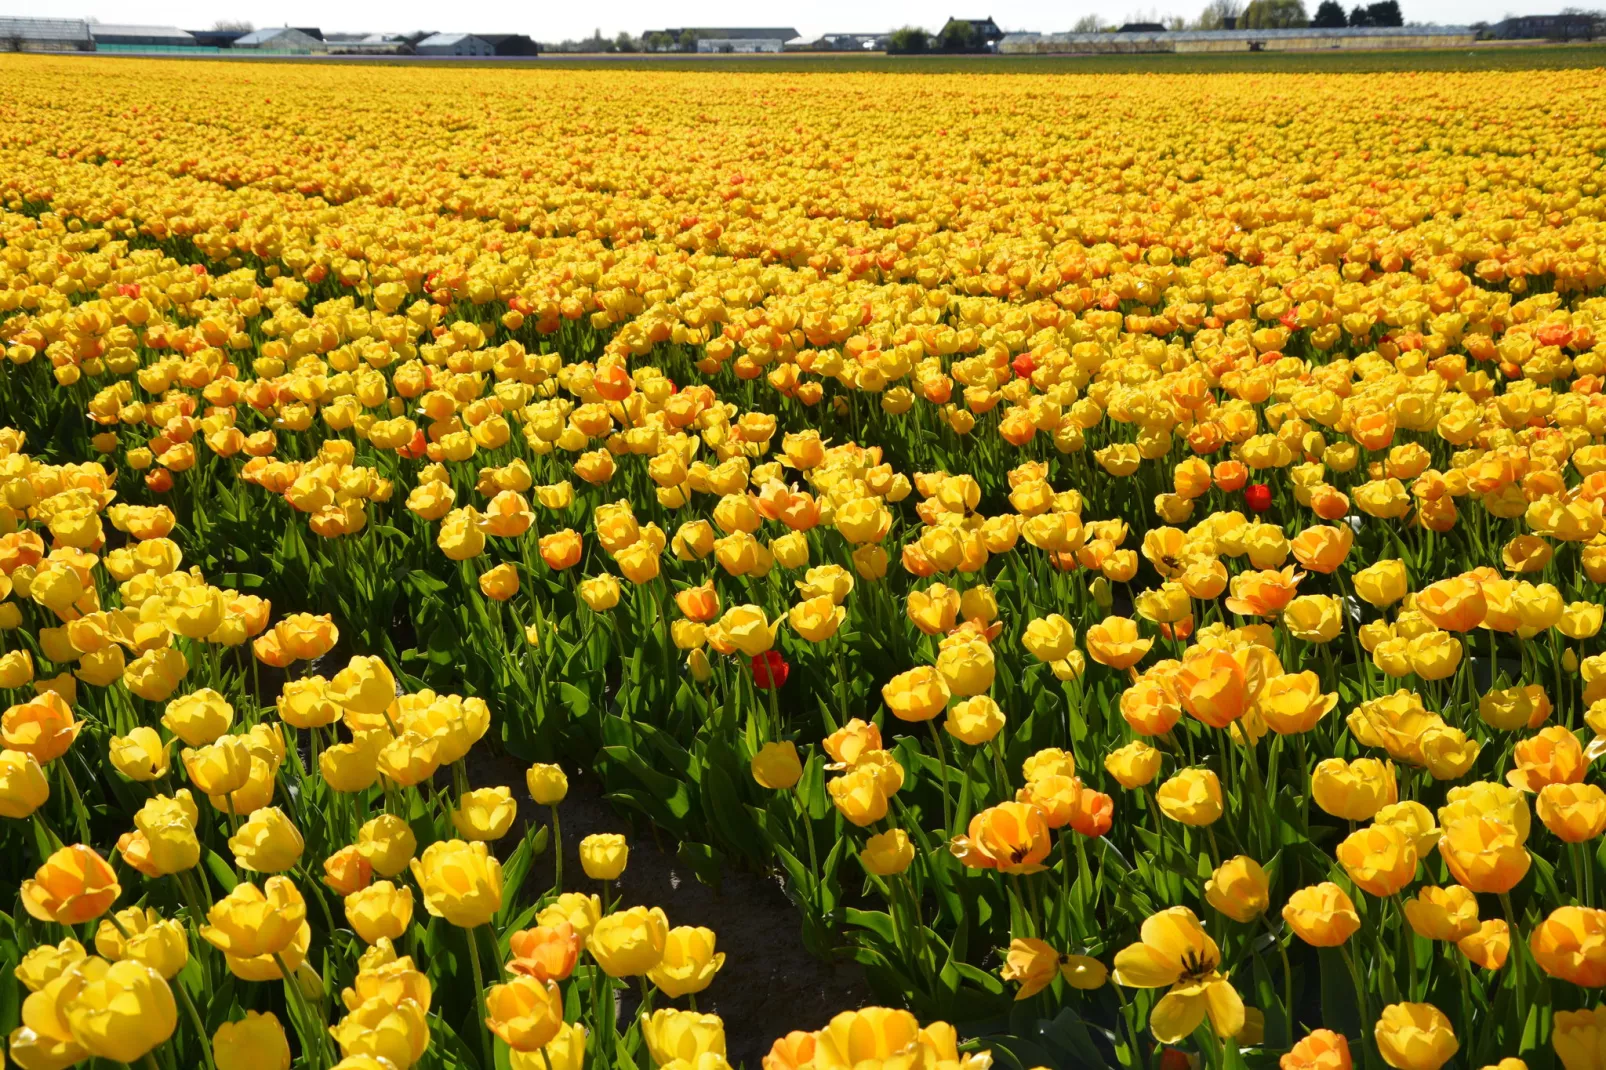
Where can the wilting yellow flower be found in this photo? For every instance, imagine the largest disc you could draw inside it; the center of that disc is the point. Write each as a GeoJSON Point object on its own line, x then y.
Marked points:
{"type": "Point", "coordinates": [1175, 951]}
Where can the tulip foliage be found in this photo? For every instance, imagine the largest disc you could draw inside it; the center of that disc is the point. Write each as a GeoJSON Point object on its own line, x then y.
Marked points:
{"type": "Point", "coordinates": [1128, 555]}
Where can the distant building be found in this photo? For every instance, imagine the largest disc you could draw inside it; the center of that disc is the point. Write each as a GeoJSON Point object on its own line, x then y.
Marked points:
{"type": "Point", "coordinates": [511, 44]}
{"type": "Point", "coordinates": [311, 31]}
{"type": "Point", "coordinates": [1141, 27]}
{"type": "Point", "coordinates": [216, 38]}
{"type": "Point", "coordinates": [286, 39]}
{"type": "Point", "coordinates": [679, 34]}
{"type": "Point", "coordinates": [849, 42]}
{"type": "Point", "coordinates": [45, 35]}
{"type": "Point", "coordinates": [984, 33]}
{"type": "Point", "coordinates": [741, 44]}
{"type": "Point", "coordinates": [141, 36]}
{"type": "Point", "coordinates": [1546, 27]}
{"type": "Point", "coordinates": [1309, 39]}
{"type": "Point", "coordinates": [367, 44]}
{"type": "Point", "coordinates": [454, 44]}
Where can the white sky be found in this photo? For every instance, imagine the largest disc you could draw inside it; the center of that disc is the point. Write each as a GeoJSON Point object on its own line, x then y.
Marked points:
{"type": "Point", "coordinates": [546, 21]}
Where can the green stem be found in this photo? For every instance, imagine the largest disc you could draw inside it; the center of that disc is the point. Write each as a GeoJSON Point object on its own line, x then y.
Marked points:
{"type": "Point", "coordinates": [557, 853]}
{"type": "Point", "coordinates": [195, 1020]}
{"type": "Point", "coordinates": [479, 996]}
{"type": "Point", "coordinates": [942, 767]}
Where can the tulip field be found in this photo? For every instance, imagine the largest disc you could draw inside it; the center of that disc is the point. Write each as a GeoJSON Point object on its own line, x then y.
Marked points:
{"type": "Point", "coordinates": [1126, 553]}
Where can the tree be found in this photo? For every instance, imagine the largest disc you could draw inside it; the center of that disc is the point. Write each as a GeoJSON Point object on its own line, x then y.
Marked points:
{"type": "Point", "coordinates": [1088, 24]}
{"type": "Point", "coordinates": [908, 39]}
{"type": "Point", "coordinates": [624, 42]}
{"type": "Point", "coordinates": [1274, 15]}
{"type": "Point", "coordinates": [233, 26]}
{"type": "Point", "coordinates": [1329, 16]}
{"type": "Point", "coordinates": [1216, 14]}
{"type": "Point", "coordinates": [688, 40]}
{"type": "Point", "coordinates": [1386, 13]}
{"type": "Point", "coordinates": [957, 36]}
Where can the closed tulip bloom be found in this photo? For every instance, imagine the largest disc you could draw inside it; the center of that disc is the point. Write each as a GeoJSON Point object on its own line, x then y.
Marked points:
{"type": "Point", "coordinates": [74, 885]}
{"type": "Point", "coordinates": [1321, 1049]}
{"type": "Point", "coordinates": [1489, 946]}
{"type": "Point", "coordinates": [1176, 952]}
{"type": "Point", "coordinates": [1322, 548]}
{"type": "Point", "coordinates": [1571, 945]}
{"type": "Point", "coordinates": [364, 686]}
{"type": "Point", "coordinates": [155, 674]}
{"type": "Point", "coordinates": [1484, 854]}
{"type": "Point", "coordinates": [410, 758]}
{"type": "Point", "coordinates": [816, 619]}
{"type": "Point", "coordinates": [1056, 796]}
{"type": "Point", "coordinates": [388, 843]}
{"type": "Point", "coordinates": [572, 908]}
{"type": "Point", "coordinates": [1114, 642]}
{"type": "Point", "coordinates": [304, 636]}
{"type": "Point", "coordinates": [47, 962]}
{"type": "Point", "coordinates": [1192, 796]}
{"type": "Point", "coordinates": [484, 814]}
{"type": "Point", "coordinates": [1579, 1038]}
{"type": "Point", "coordinates": [1239, 889]}
{"type": "Point", "coordinates": [220, 768]}
{"type": "Point", "coordinates": [1380, 859]}
{"type": "Point", "coordinates": [396, 1033]}
{"type": "Point", "coordinates": [684, 1038]}
{"type": "Point", "coordinates": [1133, 765]}
{"type": "Point", "coordinates": [967, 666]}
{"type": "Point", "coordinates": [886, 854]}
{"type": "Point", "coordinates": [1447, 752]}
{"type": "Point", "coordinates": [1415, 821]}
{"type": "Point", "coordinates": [1574, 813]}
{"type": "Point", "coordinates": [935, 610]}
{"type": "Point", "coordinates": [1415, 1036]}
{"type": "Point", "coordinates": [267, 843]}
{"type": "Point", "coordinates": [23, 786]}
{"type": "Point", "coordinates": [354, 766]}
{"type": "Point", "coordinates": [1212, 686]}
{"type": "Point", "coordinates": [255, 1042]}
{"type": "Point", "coordinates": [1554, 756]}
{"type": "Point", "coordinates": [1314, 618]}
{"type": "Point", "coordinates": [776, 766]}
{"type": "Point", "coordinates": [122, 1010]}
{"type": "Point", "coordinates": [1321, 915]}
{"type": "Point", "coordinates": [546, 952]}
{"type": "Point", "coordinates": [1449, 914]}
{"type": "Point", "coordinates": [251, 922]}
{"type": "Point", "coordinates": [1291, 703]}
{"type": "Point", "coordinates": [1354, 791]}
{"type": "Point", "coordinates": [161, 945]}
{"type": "Point", "coordinates": [43, 727]}
{"type": "Point", "coordinates": [1456, 604]}
{"type": "Point", "coordinates": [1581, 620]}
{"type": "Point", "coordinates": [347, 871]}
{"type": "Point", "coordinates": [1049, 638]}
{"type": "Point", "coordinates": [547, 784]}
{"type": "Point", "coordinates": [380, 911]}
{"type": "Point", "coordinates": [141, 755]}
{"type": "Point", "coordinates": [689, 963]}
{"type": "Point", "coordinates": [916, 695]}
{"type": "Point", "coordinates": [16, 668]}
{"type": "Point", "coordinates": [603, 855]}
{"type": "Point", "coordinates": [975, 720]}
{"type": "Point", "coordinates": [461, 882]}
{"type": "Point", "coordinates": [525, 1013]}
{"type": "Point", "coordinates": [628, 943]}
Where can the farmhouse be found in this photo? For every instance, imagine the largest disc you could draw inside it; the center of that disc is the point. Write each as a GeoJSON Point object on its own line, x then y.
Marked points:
{"type": "Point", "coordinates": [45, 35]}
{"type": "Point", "coordinates": [282, 39]}
{"type": "Point", "coordinates": [455, 44]}
{"type": "Point", "coordinates": [1308, 39]}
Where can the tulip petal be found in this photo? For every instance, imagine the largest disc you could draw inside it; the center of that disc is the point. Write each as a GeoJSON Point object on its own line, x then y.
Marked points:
{"type": "Point", "coordinates": [1177, 1015]}
{"type": "Point", "coordinates": [1141, 966]}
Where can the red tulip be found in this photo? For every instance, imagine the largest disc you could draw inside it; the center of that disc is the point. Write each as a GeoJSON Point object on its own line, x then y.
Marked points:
{"type": "Point", "coordinates": [770, 670]}
{"type": "Point", "coordinates": [1258, 497]}
{"type": "Point", "coordinates": [1024, 365]}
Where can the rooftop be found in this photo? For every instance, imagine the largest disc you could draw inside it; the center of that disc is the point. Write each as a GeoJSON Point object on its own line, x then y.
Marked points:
{"type": "Point", "coordinates": [44, 29]}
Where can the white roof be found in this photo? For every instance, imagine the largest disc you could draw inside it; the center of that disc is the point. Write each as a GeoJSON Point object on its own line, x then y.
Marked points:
{"type": "Point", "coordinates": [103, 29]}
{"type": "Point", "coordinates": [442, 40]}
{"type": "Point", "coordinates": [29, 29]}
{"type": "Point", "coordinates": [270, 33]}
